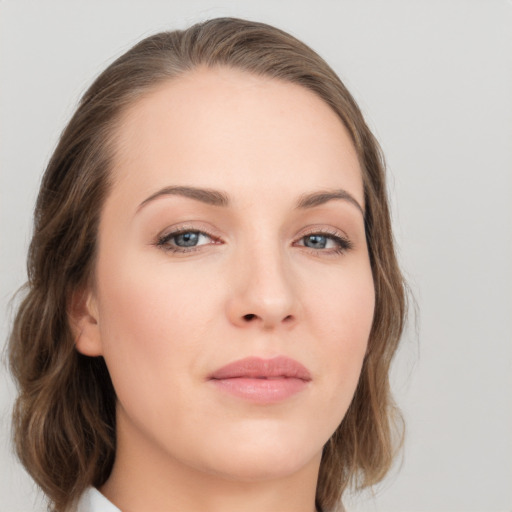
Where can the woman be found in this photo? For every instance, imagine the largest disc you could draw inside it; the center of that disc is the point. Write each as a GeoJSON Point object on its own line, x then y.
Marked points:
{"type": "Point", "coordinates": [213, 299]}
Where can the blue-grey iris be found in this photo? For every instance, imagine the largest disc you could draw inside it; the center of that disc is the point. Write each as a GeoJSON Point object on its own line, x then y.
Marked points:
{"type": "Point", "coordinates": [188, 239]}
{"type": "Point", "coordinates": [315, 241]}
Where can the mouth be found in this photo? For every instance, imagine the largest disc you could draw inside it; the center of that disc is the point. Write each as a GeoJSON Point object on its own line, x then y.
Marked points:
{"type": "Point", "coordinates": [262, 380]}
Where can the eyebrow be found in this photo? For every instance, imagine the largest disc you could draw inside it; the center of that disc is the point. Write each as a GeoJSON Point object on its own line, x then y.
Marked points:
{"type": "Point", "coordinates": [205, 195]}
{"type": "Point", "coordinates": [218, 198]}
{"type": "Point", "coordinates": [324, 196]}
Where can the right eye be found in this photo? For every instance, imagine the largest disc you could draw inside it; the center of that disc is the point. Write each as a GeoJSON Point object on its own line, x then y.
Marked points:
{"type": "Point", "coordinates": [184, 240]}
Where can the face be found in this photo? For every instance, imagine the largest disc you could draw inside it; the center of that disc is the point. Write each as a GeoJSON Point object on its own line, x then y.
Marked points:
{"type": "Point", "coordinates": [233, 293]}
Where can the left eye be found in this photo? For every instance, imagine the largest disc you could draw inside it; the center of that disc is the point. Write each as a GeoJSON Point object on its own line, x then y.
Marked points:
{"type": "Point", "coordinates": [327, 242]}
{"type": "Point", "coordinates": [318, 241]}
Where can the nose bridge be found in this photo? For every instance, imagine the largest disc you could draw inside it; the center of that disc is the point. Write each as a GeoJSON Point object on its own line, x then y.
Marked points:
{"type": "Point", "coordinates": [263, 291]}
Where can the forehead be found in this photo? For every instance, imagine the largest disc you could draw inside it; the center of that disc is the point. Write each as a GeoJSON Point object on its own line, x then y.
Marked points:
{"type": "Point", "coordinates": [228, 129]}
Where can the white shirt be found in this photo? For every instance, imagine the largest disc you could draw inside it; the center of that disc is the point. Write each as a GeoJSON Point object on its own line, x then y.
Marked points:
{"type": "Point", "coordinates": [93, 501]}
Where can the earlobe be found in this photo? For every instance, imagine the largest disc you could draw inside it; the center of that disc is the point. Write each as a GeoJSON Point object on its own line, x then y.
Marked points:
{"type": "Point", "coordinates": [84, 322]}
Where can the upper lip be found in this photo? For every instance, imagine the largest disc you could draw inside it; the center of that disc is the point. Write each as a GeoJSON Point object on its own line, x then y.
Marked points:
{"type": "Point", "coordinates": [256, 367]}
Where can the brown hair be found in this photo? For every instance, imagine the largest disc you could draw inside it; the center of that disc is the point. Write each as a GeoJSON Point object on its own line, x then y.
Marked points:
{"type": "Point", "coordinates": [64, 417]}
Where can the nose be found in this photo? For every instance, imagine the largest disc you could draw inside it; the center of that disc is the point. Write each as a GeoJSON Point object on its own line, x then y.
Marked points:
{"type": "Point", "coordinates": [262, 292]}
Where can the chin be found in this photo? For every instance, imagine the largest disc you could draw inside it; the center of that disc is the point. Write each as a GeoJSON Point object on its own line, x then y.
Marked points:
{"type": "Point", "coordinates": [261, 470]}
{"type": "Point", "coordinates": [264, 458]}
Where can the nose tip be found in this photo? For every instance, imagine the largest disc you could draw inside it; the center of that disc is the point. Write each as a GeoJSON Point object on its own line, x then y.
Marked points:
{"type": "Point", "coordinates": [263, 296]}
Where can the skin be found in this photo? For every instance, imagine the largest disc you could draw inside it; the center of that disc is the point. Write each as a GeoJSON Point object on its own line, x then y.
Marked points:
{"type": "Point", "coordinates": [255, 286]}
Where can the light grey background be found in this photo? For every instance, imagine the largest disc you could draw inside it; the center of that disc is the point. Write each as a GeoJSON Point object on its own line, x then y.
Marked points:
{"type": "Point", "coordinates": [435, 81]}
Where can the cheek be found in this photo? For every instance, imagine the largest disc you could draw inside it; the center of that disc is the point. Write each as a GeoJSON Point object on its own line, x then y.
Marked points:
{"type": "Point", "coordinates": [148, 301]}
{"type": "Point", "coordinates": [341, 321]}
{"type": "Point", "coordinates": [149, 326]}
{"type": "Point", "coordinates": [343, 307]}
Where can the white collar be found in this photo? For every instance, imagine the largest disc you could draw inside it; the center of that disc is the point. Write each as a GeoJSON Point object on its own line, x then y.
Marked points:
{"type": "Point", "coordinates": [93, 501]}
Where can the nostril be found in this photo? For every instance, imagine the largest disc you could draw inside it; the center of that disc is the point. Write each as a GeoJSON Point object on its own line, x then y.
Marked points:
{"type": "Point", "coordinates": [249, 317]}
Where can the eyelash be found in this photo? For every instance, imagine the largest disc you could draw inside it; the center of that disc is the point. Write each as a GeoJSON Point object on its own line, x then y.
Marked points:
{"type": "Point", "coordinates": [163, 240]}
{"type": "Point", "coordinates": [343, 244]}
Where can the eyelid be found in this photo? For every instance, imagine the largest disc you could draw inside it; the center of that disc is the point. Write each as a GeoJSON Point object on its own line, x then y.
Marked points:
{"type": "Point", "coordinates": [344, 243]}
{"type": "Point", "coordinates": [323, 230]}
{"type": "Point", "coordinates": [338, 236]}
{"type": "Point", "coordinates": [170, 232]}
{"type": "Point", "coordinates": [184, 227]}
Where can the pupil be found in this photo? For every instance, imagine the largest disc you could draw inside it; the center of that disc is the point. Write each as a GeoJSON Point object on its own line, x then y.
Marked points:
{"type": "Point", "coordinates": [316, 241]}
{"type": "Point", "coordinates": [188, 239]}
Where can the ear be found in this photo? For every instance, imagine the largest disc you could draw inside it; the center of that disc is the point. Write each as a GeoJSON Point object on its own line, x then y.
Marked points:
{"type": "Point", "coordinates": [84, 322]}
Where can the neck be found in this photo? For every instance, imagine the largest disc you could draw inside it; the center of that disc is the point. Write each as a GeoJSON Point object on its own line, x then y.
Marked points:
{"type": "Point", "coordinates": [145, 478]}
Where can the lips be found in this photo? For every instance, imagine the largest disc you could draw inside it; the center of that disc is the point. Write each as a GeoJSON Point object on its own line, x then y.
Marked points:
{"type": "Point", "coordinates": [262, 380]}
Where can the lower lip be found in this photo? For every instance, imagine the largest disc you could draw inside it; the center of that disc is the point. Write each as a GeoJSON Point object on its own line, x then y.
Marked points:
{"type": "Point", "coordinates": [264, 391]}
